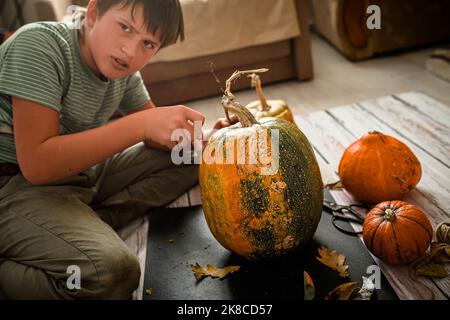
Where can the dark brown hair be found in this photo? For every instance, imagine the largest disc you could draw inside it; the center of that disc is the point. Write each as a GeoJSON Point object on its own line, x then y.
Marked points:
{"type": "Point", "coordinates": [163, 15]}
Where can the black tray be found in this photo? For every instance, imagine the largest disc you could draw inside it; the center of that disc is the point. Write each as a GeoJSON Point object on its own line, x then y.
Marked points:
{"type": "Point", "coordinates": [179, 238]}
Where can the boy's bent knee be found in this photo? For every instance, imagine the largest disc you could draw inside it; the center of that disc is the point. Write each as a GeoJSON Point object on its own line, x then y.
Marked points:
{"type": "Point", "coordinates": [114, 274]}
{"type": "Point", "coordinates": [121, 276]}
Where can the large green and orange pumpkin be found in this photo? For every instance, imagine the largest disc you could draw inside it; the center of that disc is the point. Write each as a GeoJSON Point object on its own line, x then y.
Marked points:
{"type": "Point", "coordinates": [251, 211]}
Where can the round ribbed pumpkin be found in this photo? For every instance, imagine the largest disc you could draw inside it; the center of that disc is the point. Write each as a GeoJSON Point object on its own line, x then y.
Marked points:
{"type": "Point", "coordinates": [379, 167]}
{"type": "Point", "coordinates": [264, 108]}
{"type": "Point", "coordinates": [254, 214]}
{"type": "Point", "coordinates": [397, 232]}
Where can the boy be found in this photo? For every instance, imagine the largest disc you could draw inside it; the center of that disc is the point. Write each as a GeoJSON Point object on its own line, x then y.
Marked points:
{"type": "Point", "coordinates": [67, 176]}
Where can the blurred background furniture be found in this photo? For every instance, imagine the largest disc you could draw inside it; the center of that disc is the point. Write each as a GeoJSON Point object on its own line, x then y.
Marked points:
{"type": "Point", "coordinates": [221, 35]}
{"type": "Point", "coordinates": [16, 17]}
{"type": "Point", "coordinates": [16, 13]}
{"type": "Point", "coordinates": [236, 35]}
{"type": "Point", "coordinates": [404, 24]}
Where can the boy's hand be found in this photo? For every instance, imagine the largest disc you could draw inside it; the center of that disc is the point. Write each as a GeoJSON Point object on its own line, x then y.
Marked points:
{"type": "Point", "coordinates": [223, 122]}
{"type": "Point", "coordinates": [160, 123]}
{"type": "Point", "coordinates": [219, 124]}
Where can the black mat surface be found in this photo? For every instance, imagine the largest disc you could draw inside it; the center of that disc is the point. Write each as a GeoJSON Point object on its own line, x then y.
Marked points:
{"type": "Point", "coordinates": [181, 237]}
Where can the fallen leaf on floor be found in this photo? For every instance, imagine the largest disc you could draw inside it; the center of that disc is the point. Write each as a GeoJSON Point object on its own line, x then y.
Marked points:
{"type": "Point", "coordinates": [335, 186]}
{"type": "Point", "coordinates": [365, 293]}
{"type": "Point", "coordinates": [433, 263]}
{"type": "Point", "coordinates": [333, 260]}
{"type": "Point", "coordinates": [443, 232]}
{"type": "Point", "coordinates": [440, 252]}
{"type": "Point", "coordinates": [149, 291]}
{"type": "Point", "coordinates": [308, 287]}
{"type": "Point", "coordinates": [342, 292]}
{"type": "Point", "coordinates": [431, 269]}
{"type": "Point", "coordinates": [212, 271]}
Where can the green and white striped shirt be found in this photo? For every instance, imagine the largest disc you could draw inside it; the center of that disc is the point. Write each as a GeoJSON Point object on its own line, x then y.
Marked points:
{"type": "Point", "coordinates": [42, 63]}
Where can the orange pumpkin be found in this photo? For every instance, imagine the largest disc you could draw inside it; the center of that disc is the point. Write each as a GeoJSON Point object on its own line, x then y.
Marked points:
{"type": "Point", "coordinates": [272, 108]}
{"type": "Point", "coordinates": [254, 214]}
{"type": "Point", "coordinates": [397, 232]}
{"type": "Point", "coordinates": [379, 167]}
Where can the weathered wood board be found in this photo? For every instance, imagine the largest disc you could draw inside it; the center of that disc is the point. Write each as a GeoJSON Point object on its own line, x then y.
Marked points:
{"type": "Point", "coordinates": [424, 125]}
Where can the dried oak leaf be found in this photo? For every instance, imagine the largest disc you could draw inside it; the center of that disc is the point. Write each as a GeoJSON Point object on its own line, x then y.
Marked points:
{"type": "Point", "coordinates": [149, 291]}
{"type": "Point", "coordinates": [212, 271]}
{"type": "Point", "coordinates": [432, 263]}
{"type": "Point", "coordinates": [443, 232]}
{"type": "Point", "coordinates": [431, 269]}
{"type": "Point", "coordinates": [440, 252]}
{"type": "Point", "coordinates": [342, 292]}
{"type": "Point", "coordinates": [308, 287]}
{"type": "Point", "coordinates": [335, 186]}
{"type": "Point", "coordinates": [333, 260]}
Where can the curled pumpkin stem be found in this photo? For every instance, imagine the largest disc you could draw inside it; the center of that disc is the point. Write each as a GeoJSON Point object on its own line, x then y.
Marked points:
{"type": "Point", "coordinates": [390, 214]}
{"type": "Point", "coordinates": [245, 117]}
{"type": "Point", "coordinates": [236, 75]}
{"type": "Point", "coordinates": [256, 83]}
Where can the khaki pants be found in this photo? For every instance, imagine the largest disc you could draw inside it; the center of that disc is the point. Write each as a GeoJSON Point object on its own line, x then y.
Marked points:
{"type": "Point", "coordinates": [44, 230]}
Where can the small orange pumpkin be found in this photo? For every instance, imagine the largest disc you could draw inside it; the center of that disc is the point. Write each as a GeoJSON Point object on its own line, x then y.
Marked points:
{"type": "Point", "coordinates": [397, 232]}
{"type": "Point", "coordinates": [379, 167]}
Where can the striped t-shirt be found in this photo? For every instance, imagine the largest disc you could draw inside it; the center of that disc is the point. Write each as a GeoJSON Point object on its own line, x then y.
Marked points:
{"type": "Point", "coordinates": [42, 63]}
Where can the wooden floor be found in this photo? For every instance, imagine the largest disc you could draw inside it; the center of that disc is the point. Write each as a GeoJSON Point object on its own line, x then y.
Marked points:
{"type": "Point", "coordinates": [339, 81]}
{"type": "Point", "coordinates": [424, 125]}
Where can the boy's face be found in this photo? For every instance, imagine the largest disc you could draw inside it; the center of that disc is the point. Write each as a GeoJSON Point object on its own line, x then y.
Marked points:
{"type": "Point", "coordinates": [118, 43]}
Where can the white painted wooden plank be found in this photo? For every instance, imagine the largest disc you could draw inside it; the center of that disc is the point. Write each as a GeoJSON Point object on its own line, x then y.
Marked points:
{"type": "Point", "coordinates": [135, 236]}
{"type": "Point", "coordinates": [181, 202]}
{"type": "Point", "coordinates": [188, 199]}
{"type": "Point", "coordinates": [313, 135]}
{"type": "Point", "coordinates": [435, 181]}
{"type": "Point", "coordinates": [427, 106]}
{"type": "Point", "coordinates": [444, 283]}
{"type": "Point", "coordinates": [323, 132]}
{"type": "Point", "coordinates": [433, 136]}
{"type": "Point", "coordinates": [142, 239]}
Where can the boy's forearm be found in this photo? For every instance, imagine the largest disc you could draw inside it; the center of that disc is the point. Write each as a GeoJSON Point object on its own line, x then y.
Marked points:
{"type": "Point", "coordinates": [64, 156]}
